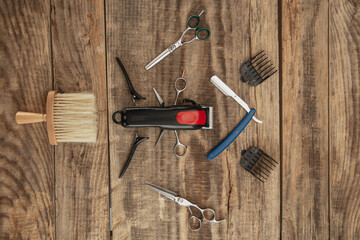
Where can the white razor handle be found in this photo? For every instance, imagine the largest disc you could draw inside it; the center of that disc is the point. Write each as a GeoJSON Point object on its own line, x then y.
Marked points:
{"type": "Point", "coordinates": [228, 92]}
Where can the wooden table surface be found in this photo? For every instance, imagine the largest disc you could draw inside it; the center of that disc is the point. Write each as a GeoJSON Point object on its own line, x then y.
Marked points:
{"type": "Point", "coordinates": [310, 109]}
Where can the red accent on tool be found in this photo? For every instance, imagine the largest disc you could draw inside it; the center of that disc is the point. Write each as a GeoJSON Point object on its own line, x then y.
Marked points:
{"type": "Point", "coordinates": [191, 117]}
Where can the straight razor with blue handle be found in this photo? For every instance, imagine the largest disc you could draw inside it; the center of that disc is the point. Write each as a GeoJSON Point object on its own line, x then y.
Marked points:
{"type": "Point", "coordinates": [232, 136]}
{"type": "Point", "coordinates": [240, 127]}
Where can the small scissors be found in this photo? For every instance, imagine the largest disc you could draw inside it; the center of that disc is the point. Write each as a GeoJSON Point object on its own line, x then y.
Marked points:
{"type": "Point", "coordinates": [193, 23]}
{"type": "Point", "coordinates": [178, 91]}
{"type": "Point", "coordinates": [178, 143]}
{"type": "Point", "coordinates": [183, 202]}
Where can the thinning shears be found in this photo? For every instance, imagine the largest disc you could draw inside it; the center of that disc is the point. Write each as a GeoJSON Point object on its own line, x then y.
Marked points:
{"type": "Point", "coordinates": [200, 34]}
{"type": "Point", "coordinates": [194, 222]}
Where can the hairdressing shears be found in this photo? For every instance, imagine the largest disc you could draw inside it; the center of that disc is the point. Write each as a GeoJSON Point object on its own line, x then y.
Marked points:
{"type": "Point", "coordinates": [178, 144]}
{"type": "Point", "coordinates": [200, 34]}
{"type": "Point", "coordinates": [194, 222]}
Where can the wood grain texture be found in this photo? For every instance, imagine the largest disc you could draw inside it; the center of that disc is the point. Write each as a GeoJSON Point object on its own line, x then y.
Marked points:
{"type": "Point", "coordinates": [78, 40]}
{"type": "Point", "coordinates": [136, 32]}
{"type": "Point", "coordinates": [305, 120]}
{"type": "Point", "coordinates": [62, 192]}
{"type": "Point", "coordinates": [344, 80]}
{"type": "Point", "coordinates": [256, 209]}
{"type": "Point", "coordinates": [27, 209]}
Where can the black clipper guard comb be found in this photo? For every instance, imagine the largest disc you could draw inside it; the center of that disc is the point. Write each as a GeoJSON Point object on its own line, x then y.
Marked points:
{"type": "Point", "coordinates": [257, 69]}
{"type": "Point", "coordinates": [258, 163]}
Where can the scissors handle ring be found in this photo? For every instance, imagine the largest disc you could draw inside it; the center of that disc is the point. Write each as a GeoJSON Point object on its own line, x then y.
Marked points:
{"type": "Point", "coordinates": [198, 220]}
{"type": "Point", "coordinates": [178, 91]}
{"type": "Point", "coordinates": [212, 219]}
{"type": "Point", "coordinates": [197, 23]}
{"type": "Point", "coordinates": [179, 144]}
{"type": "Point", "coordinates": [175, 86]}
{"type": "Point", "coordinates": [202, 30]}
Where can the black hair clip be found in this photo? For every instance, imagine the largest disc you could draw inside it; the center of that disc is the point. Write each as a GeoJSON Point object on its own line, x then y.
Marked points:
{"type": "Point", "coordinates": [135, 96]}
{"type": "Point", "coordinates": [137, 141]}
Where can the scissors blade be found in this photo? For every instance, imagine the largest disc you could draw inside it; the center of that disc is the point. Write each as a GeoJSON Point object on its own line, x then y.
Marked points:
{"type": "Point", "coordinates": [166, 193]}
{"type": "Point", "coordinates": [162, 103]}
{"type": "Point", "coordinates": [160, 137]}
{"type": "Point", "coordinates": [160, 57]}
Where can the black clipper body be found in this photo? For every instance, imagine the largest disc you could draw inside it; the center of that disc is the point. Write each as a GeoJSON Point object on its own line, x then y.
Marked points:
{"type": "Point", "coordinates": [179, 117]}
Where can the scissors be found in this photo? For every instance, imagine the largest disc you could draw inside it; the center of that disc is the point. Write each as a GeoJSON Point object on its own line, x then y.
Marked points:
{"type": "Point", "coordinates": [200, 34]}
{"type": "Point", "coordinates": [178, 144]}
{"type": "Point", "coordinates": [183, 202]}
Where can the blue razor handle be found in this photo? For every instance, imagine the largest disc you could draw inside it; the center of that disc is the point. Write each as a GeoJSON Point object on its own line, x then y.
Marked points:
{"type": "Point", "coordinates": [232, 136]}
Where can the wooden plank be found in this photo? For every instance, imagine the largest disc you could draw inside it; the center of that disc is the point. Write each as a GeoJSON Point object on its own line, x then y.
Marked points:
{"type": "Point", "coordinates": [81, 170]}
{"type": "Point", "coordinates": [214, 184]}
{"type": "Point", "coordinates": [305, 120]}
{"type": "Point", "coordinates": [255, 206]}
{"type": "Point", "coordinates": [27, 209]}
{"type": "Point", "coordinates": [138, 212]}
{"type": "Point", "coordinates": [344, 80]}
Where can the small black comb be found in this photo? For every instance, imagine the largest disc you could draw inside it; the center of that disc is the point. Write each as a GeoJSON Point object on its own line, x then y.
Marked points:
{"type": "Point", "coordinates": [257, 69]}
{"type": "Point", "coordinates": [258, 163]}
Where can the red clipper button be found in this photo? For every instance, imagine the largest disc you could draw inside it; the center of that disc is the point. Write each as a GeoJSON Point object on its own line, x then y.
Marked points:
{"type": "Point", "coordinates": [191, 117]}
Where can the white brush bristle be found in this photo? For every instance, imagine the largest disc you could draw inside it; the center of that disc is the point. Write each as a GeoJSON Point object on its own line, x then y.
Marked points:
{"type": "Point", "coordinates": [75, 117]}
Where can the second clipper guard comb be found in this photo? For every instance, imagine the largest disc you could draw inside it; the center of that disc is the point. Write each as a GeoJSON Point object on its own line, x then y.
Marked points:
{"type": "Point", "coordinates": [258, 163]}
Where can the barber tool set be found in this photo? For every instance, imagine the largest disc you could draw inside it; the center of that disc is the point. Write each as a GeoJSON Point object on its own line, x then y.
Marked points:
{"type": "Point", "coordinates": [71, 117]}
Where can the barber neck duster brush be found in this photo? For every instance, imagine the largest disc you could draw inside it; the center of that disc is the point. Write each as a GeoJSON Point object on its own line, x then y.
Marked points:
{"type": "Point", "coordinates": [70, 117]}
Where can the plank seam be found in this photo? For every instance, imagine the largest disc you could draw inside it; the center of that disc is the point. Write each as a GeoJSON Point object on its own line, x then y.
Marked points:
{"type": "Point", "coordinates": [249, 29]}
{"type": "Point", "coordinates": [107, 119]}
{"type": "Point", "coordinates": [52, 86]}
{"type": "Point", "coordinates": [229, 194]}
{"type": "Point", "coordinates": [329, 197]}
{"type": "Point", "coordinates": [280, 111]}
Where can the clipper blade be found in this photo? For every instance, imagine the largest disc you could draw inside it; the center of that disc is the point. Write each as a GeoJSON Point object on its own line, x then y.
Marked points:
{"type": "Point", "coordinates": [257, 69]}
{"type": "Point", "coordinates": [258, 163]}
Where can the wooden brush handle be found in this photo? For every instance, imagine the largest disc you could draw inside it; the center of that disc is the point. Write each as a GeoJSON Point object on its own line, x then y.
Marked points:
{"type": "Point", "coordinates": [29, 117]}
